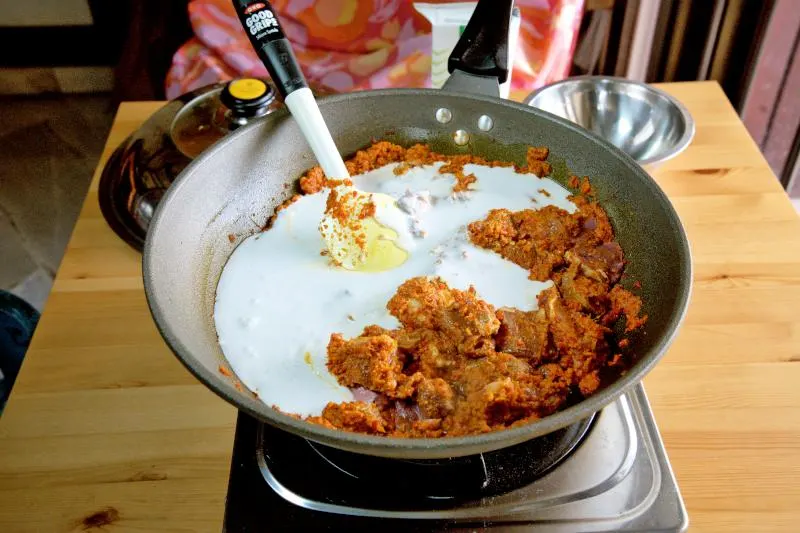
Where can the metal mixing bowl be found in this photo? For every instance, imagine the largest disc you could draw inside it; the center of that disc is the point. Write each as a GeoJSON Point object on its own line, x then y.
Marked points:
{"type": "Point", "coordinates": [646, 123]}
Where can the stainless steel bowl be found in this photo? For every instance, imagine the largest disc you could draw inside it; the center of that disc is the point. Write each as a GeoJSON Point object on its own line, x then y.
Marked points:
{"type": "Point", "coordinates": [646, 123]}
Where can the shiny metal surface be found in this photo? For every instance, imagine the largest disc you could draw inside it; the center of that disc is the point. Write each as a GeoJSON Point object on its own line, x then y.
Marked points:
{"type": "Point", "coordinates": [619, 479]}
{"type": "Point", "coordinates": [646, 123]}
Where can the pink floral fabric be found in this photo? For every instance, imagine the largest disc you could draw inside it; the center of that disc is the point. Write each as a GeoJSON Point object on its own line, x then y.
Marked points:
{"type": "Point", "coordinates": [351, 45]}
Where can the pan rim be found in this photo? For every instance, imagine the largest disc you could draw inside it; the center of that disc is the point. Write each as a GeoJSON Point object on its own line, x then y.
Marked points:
{"type": "Point", "coordinates": [420, 447]}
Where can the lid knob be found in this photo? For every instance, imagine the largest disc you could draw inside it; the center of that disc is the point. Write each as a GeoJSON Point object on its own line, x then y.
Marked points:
{"type": "Point", "coordinates": [247, 97]}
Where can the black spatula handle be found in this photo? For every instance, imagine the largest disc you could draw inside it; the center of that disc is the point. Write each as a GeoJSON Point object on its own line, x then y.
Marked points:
{"type": "Point", "coordinates": [482, 49]}
{"type": "Point", "coordinates": [273, 48]}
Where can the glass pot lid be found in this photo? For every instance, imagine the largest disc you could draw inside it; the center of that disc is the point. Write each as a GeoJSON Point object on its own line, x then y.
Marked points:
{"type": "Point", "coordinates": [141, 169]}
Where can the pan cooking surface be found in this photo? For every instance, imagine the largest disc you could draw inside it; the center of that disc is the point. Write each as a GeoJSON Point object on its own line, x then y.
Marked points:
{"type": "Point", "coordinates": [275, 334]}
{"type": "Point", "coordinates": [446, 339]}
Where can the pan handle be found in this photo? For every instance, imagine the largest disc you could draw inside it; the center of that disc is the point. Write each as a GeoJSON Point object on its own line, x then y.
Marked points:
{"type": "Point", "coordinates": [479, 61]}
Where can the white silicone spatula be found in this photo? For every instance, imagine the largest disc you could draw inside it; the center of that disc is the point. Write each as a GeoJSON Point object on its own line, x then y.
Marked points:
{"type": "Point", "coordinates": [343, 234]}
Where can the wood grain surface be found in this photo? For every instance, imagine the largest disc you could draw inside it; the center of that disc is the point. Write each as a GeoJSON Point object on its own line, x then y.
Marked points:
{"type": "Point", "coordinates": [106, 431]}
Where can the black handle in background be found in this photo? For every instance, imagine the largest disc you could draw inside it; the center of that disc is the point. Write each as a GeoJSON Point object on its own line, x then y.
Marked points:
{"type": "Point", "coordinates": [483, 47]}
{"type": "Point", "coordinates": [273, 48]}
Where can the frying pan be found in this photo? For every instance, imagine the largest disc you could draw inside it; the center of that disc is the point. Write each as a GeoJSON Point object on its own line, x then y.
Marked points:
{"type": "Point", "coordinates": [232, 189]}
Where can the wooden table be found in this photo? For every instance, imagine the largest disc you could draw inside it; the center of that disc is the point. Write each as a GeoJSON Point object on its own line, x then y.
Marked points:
{"type": "Point", "coordinates": [105, 426]}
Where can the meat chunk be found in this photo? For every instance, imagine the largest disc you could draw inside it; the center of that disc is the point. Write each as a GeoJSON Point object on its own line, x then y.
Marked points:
{"type": "Point", "coordinates": [589, 383]}
{"type": "Point", "coordinates": [550, 228]}
{"type": "Point", "coordinates": [507, 365]}
{"type": "Point", "coordinates": [422, 303]}
{"type": "Point", "coordinates": [473, 322]}
{"type": "Point", "coordinates": [522, 334]}
{"type": "Point", "coordinates": [562, 328]}
{"type": "Point", "coordinates": [407, 385]}
{"type": "Point", "coordinates": [572, 332]}
{"type": "Point", "coordinates": [591, 353]}
{"type": "Point", "coordinates": [409, 421]}
{"type": "Point", "coordinates": [552, 388]}
{"type": "Point", "coordinates": [505, 401]}
{"type": "Point", "coordinates": [370, 362]}
{"type": "Point", "coordinates": [594, 220]}
{"type": "Point", "coordinates": [583, 293]}
{"type": "Point", "coordinates": [404, 415]}
{"type": "Point", "coordinates": [435, 398]}
{"type": "Point", "coordinates": [498, 232]}
{"type": "Point", "coordinates": [534, 239]}
{"type": "Point", "coordinates": [478, 373]}
{"type": "Point", "coordinates": [409, 339]}
{"type": "Point", "coordinates": [358, 417]}
{"type": "Point", "coordinates": [436, 354]}
{"type": "Point", "coordinates": [580, 341]}
{"type": "Point", "coordinates": [602, 262]}
{"type": "Point", "coordinates": [624, 301]}
{"type": "Point", "coordinates": [537, 395]}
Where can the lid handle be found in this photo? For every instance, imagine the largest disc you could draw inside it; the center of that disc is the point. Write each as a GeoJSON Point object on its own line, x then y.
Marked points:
{"type": "Point", "coordinates": [246, 98]}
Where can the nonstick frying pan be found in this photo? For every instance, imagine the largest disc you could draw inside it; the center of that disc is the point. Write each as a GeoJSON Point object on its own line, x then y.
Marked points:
{"type": "Point", "coordinates": [231, 190]}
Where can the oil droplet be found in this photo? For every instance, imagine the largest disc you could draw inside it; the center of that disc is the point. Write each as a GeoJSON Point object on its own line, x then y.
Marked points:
{"type": "Point", "coordinates": [381, 251]}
